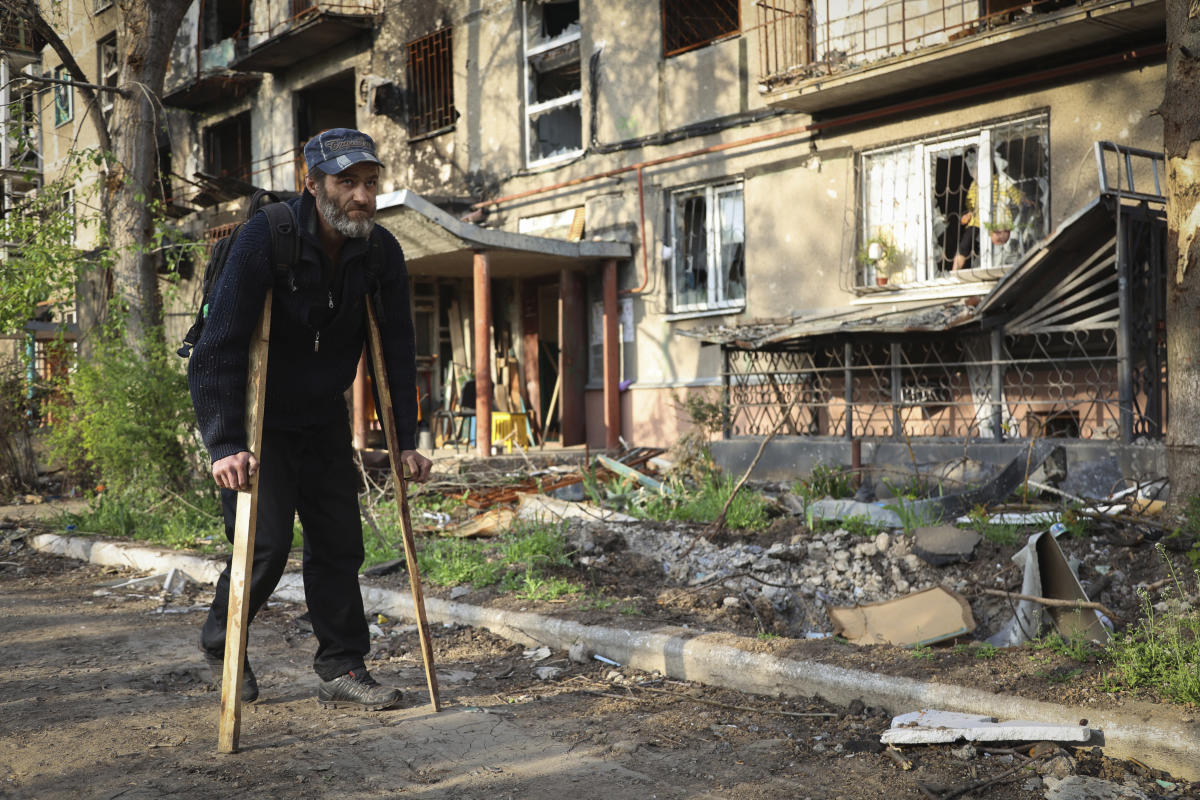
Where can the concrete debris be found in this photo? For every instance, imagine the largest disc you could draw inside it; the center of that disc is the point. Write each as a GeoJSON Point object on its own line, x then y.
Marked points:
{"type": "Point", "coordinates": [452, 676]}
{"type": "Point", "coordinates": [579, 653]}
{"type": "Point", "coordinates": [931, 726]}
{"type": "Point", "coordinates": [933, 615]}
{"type": "Point", "coordinates": [945, 544]}
{"type": "Point", "coordinates": [547, 673]}
{"type": "Point", "coordinates": [1084, 787]}
{"type": "Point", "coordinates": [459, 592]}
{"type": "Point", "coordinates": [538, 653]}
{"type": "Point", "coordinates": [548, 509]}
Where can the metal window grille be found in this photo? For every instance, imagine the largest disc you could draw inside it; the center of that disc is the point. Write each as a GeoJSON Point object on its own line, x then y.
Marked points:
{"type": "Point", "coordinates": [431, 83]}
{"type": "Point", "coordinates": [688, 24]}
{"type": "Point", "coordinates": [971, 200]}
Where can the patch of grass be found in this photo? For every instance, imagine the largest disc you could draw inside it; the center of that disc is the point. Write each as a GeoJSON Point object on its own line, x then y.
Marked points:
{"type": "Point", "coordinates": [435, 502]}
{"type": "Point", "coordinates": [985, 650]}
{"type": "Point", "coordinates": [1004, 534]}
{"type": "Point", "coordinates": [596, 602]}
{"type": "Point", "coordinates": [1077, 647]}
{"type": "Point", "coordinates": [922, 651]}
{"type": "Point", "coordinates": [704, 503]}
{"type": "Point", "coordinates": [912, 516]}
{"type": "Point", "coordinates": [630, 610]}
{"type": "Point", "coordinates": [767, 636]}
{"type": "Point", "coordinates": [453, 562]}
{"type": "Point", "coordinates": [1161, 651]}
{"type": "Point", "coordinates": [171, 521]}
{"type": "Point", "coordinates": [860, 526]}
{"type": "Point", "coordinates": [534, 586]}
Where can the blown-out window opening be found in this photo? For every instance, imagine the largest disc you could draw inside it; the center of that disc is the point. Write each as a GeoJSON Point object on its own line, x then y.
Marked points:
{"type": "Point", "coordinates": [553, 81]}
{"type": "Point", "coordinates": [707, 251]}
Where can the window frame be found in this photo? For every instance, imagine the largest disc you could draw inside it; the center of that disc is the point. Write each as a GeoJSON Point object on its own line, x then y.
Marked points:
{"type": "Point", "coordinates": [430, 76]}
{"type": "Point", "coordinates": [716, 284]}
{"type": "Point", "coordinates": [107, 99]}
{"type": "Point", "coordinates": [63, 97]}
{"type": "Point", "coordinates": [922, 152]}
{"type": "Point", "coordinates": [669, 52]}
{"type": "Point", "coordinates": [534, 109]}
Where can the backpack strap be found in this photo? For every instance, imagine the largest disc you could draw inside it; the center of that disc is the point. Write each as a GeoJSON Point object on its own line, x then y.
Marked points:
{"type": "Point", "coordinates": [285, 238]}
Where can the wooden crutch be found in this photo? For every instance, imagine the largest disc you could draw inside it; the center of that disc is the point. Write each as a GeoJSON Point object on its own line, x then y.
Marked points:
{"type": "Point", "coordinates": [375, 348]}
{"type": "Point", "coordinates": [243, 542]}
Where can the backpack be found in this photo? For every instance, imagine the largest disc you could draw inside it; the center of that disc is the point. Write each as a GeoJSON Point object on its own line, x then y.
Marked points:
{"type": "Point", "coordinates": [285, 252]}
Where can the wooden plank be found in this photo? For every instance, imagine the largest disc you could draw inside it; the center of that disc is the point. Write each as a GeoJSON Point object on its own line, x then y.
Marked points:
{"type": "Point", "coordinates": [240, 568]}
{"type": "Point", "coordinates": [629, 472]}
{"type": "Point", "coordinates": [458, 344]}
{"type": "Point", "coordinates": [388, 419]}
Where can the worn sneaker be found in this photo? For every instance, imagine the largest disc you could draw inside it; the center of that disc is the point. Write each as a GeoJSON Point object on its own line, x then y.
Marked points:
{"type": "Point", "coordinates": [357, 689]}
{"type": "Point", "coordinates": [216, 665]}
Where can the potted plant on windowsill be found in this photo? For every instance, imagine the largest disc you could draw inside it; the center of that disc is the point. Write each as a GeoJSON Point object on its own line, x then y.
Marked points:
{"type": "Point", "coordinates": [881, 253]}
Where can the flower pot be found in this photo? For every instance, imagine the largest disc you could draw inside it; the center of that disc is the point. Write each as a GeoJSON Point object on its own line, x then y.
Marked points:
{"type": "Point", "coordinates": [881, 280]}
{"type": "Point", "coordinates": [1000, 236]}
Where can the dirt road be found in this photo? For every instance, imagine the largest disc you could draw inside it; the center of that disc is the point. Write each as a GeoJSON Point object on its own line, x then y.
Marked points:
{"type": "Point", "coordinates": [104, 695]}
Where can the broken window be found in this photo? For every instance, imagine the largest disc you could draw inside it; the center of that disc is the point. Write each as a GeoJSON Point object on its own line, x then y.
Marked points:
{"type": "Point", "coordinates": [708, 259]}
{"type": "Point", "coordinates": [107, 68]}
{"type": "Point", "coordinates": [688, 24]}
{"type": "Point", "coordinates": [431, 84]}
{"type": "Point", "coordinates": [223, 19]}
{"type": "Point", "coordinates": [64, 98]}
{"type": "Point", "coordinates": [975, 200]}
{"type": "Point", "coordinates": [553, 80]}
{"type": "Point", "coordinates": [227, 147]}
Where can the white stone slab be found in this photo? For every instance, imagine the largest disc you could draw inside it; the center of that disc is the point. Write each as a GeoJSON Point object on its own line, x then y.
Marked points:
{"type": "Point", "coordinates": [930, 726]}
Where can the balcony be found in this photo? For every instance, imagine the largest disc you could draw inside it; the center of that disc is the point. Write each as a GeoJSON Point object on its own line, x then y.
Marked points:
{"type": "Point", "coordinates": [284, 34]}
{"type": "Point", "coordinates": [820, 55]}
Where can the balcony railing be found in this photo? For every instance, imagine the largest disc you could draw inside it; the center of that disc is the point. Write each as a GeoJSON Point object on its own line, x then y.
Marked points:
{"type": "Point", "coordinates": [801, 39]}
{"type": "Point", "coordinates": [16, 34]}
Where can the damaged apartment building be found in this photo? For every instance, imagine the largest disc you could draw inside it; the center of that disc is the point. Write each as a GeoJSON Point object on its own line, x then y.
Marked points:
{"type": "Point", "coordinates": [906, 222]}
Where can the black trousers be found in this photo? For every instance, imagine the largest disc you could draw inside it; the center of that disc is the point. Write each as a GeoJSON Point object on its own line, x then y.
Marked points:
{"type": "Point", "coordinates": [309, 472]}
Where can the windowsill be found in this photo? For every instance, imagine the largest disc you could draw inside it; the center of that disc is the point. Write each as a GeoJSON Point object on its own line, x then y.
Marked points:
{"type": "Point", "coordinates": [707, 312]}
{"type": "Point", "coordinates": [963, 283]}
{"type": "Point", "coordinates": [420, 137]}
{"type": "Point", "coordinates": [555, 159]}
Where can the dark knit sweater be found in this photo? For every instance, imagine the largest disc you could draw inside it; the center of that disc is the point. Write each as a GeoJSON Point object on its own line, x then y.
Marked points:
{"type": "Point", "coordinates": [306, 383]}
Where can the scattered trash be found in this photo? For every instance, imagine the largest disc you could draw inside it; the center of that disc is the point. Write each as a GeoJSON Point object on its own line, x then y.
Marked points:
{"type": "Point", "coordinates": [538, 654]}
{"type": "Point", "coordinates": [440, 519]}
{"type": "Point", "coordinates": [874, 513]}
{"type": "Point", "coordinates": [1047, 574]}
{"type": "Point", "coordinates": [924, 617]}
{"type": "Point", "coordinates": [386, 568]}
{"type": "Point", "coordinates": [945, 544]}
{"type": "Point", "coordinates": [629, 472]}
{"type": "Point", "coordinates": [488, 523]}
{"type": "Point", "coordinates": [604, 660]}
{"type": "Point", "coordinates": [375, 631]}
{"type": "Point", "coordinates": [547, 673]}
{"type": "Point", "coordinates": [579, 653]}
{"type": "Point", "coordinates": [930, 726]}
{"type": "Point", "coordinates": [459, 591]}
{"type": "Point", "coordinates": [997, 489]}
{"type": "Point", "coordinates": [573, 493]}
{"type": "Point", "coordinates": [455, 676]}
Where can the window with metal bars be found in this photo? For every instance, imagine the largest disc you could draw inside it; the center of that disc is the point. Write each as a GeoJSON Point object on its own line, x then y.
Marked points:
{"type": "Point", "coordinates": [431, 83]}
{"type": "Point", "coordinates": [688, 24]}
{"type": "Point", "coordinates": [971, 200]}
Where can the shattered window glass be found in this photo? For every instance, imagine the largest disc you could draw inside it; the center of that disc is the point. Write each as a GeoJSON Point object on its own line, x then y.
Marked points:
{"type": "Point", "coordinates": [975, 200]}
{"type": "Point", "coordinates": [708, 233]}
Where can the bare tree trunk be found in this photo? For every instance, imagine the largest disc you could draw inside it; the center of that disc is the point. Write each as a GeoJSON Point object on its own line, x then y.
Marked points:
{"type": "Point", "coordinates": [1181, 141]}
{"type": "Point", "coordinates": [148, 33]}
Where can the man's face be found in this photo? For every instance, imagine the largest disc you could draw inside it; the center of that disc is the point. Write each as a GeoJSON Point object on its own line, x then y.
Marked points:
{"type": "Point", "coordinates": [347, 200]}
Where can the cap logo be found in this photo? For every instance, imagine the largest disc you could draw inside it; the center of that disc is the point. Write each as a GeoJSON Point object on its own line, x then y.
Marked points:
{"type": "Point", "coordinates": [350, 144]}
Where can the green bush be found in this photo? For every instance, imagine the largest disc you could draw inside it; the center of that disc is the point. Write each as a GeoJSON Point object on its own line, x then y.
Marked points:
{"type": "Point", "coordinates": [127, 420]}
{"type": "Point", "coordinates": [704, 503]}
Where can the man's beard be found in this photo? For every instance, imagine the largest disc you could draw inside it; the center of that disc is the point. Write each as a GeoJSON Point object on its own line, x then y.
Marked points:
{"type": "Point", "coordinates": [339, 220]}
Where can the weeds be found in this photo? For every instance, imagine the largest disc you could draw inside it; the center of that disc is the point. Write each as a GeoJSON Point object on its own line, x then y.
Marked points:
{"type": "Point", "coordinates": [986, 650]}
{"type": "Point", "coordinates": [1161, 651]}
{"type": "Point", "coordinates": [921, 651]}
{"type": "Point", "coordinates": [1004, 534]}
{"type": "Point", "coordinates": [1077, 647]}
{"type": "Point", "coordinates": [176, 522]}
{"type": "Point", "coordinates": [704, 503]}
{"type": "Point", "coordinates": [913, 516]}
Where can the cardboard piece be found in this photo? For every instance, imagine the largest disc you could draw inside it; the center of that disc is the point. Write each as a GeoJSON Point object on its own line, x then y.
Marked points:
{"type": "Point", "coordinates": [931, 615]}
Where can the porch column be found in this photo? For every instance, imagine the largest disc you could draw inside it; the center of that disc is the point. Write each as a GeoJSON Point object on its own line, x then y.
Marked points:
{"type": "Point", "coordinates": [897, 394]}
{"type": "Point", "coordinates": [483, 364]}
{"type": "Point", "coordinates": [612, 359]}
{"type": "Point", "coordinates": [998, 384]}
{"type": "Point", "coordinates": [360, 403]}
{"type": "Point", "coordinates": [573, 355]}
{"type": "Point", "coordinates": [1124, 337]}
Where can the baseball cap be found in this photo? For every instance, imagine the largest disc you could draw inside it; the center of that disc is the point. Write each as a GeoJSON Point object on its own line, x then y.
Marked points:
{"type": "Point", "coordinates": [336, 149]}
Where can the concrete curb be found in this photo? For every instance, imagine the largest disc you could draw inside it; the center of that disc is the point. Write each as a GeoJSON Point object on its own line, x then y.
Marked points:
{"type": "Point", "coordinates": [684, 654]}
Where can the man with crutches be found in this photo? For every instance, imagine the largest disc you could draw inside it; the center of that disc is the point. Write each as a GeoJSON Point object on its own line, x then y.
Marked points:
{"type": "Point", "coordinates": [318, 323]}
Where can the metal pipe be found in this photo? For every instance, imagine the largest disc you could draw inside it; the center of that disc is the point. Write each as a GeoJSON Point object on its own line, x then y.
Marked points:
{"type": "Point", "coordinates": [1124, 334]}
{"type": "Point", "coordinates": [897, 395]}
{"type": "Point", "coordinates": [848, 389]}
{"type": "Point", "coordinates": [997, 384]}
{"type": "Point", "coordinates": [642, 231]}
